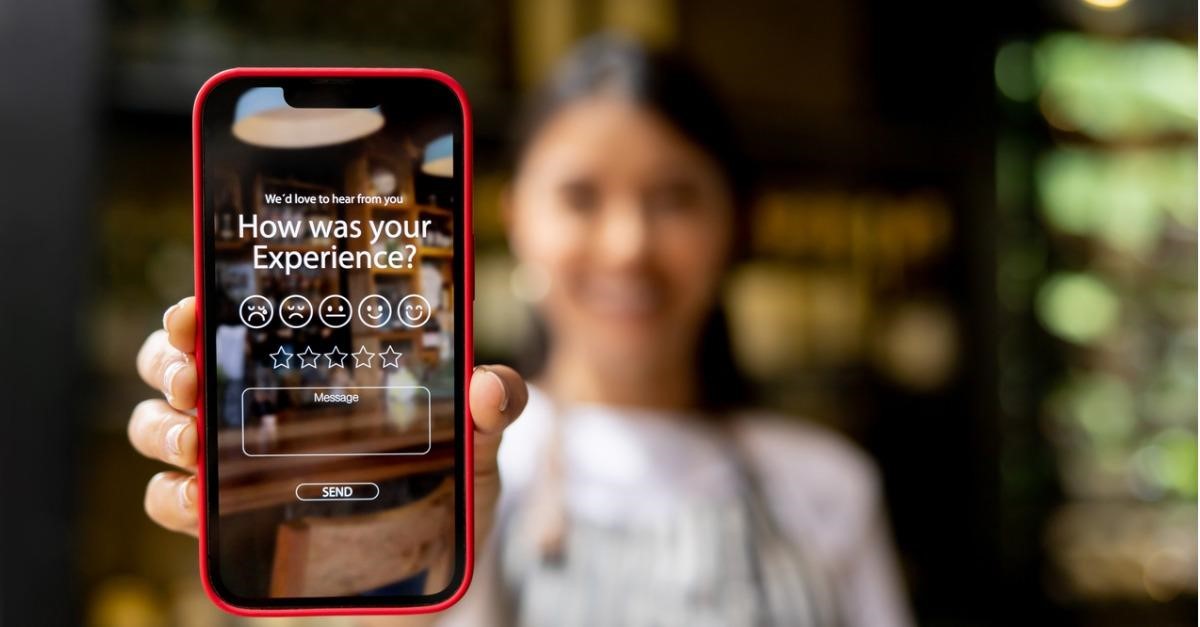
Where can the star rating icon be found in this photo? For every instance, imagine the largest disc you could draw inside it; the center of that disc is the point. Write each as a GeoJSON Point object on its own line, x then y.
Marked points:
{"type": "Point", "coordinates": [337, 359]}
{"type": "Point", "coordinates": [362, 359]}
{"type": "Point", "coordinates": [281, 358]}
{"type": "Point", "coordinates": [390, 358]}
{"type": "Point", "coordinates": [308, 359]}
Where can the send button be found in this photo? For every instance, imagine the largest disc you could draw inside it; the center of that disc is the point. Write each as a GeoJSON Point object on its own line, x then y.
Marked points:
{"type": "Point", "coordinates": [362, 491]}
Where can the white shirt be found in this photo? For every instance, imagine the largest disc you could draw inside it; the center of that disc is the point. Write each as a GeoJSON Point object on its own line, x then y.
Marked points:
{"type": "Point", "coordinates": [626, 467]}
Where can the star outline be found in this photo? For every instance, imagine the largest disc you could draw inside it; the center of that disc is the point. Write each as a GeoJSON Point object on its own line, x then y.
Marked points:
{"type": "Point", "coordinates": [390, 358]}
{"type": "Point", "coordinates": [284, 355]}
{"type": "Point", "coordinates": [341, 362]}
{"type": "Point", "coordinates": [366, 357]}
{"type": "Point", "coordinates": [308, 354]}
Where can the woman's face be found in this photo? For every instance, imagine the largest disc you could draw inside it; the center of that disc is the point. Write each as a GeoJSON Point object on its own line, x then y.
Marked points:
{"type": "Point", "coordinates": [631, 224]}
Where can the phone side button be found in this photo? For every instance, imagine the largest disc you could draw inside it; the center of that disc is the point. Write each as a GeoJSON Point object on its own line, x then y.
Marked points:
{"type": "Point", "coordinates": [353, 491]}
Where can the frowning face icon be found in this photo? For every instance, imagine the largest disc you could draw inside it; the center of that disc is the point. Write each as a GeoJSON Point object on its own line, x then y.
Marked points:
{"type": "Point", "coordinates": [255, 311]}
{"type": "Point", "coordinates": [374, 311]}
{"type": "Point", "coordinates": [334, 311]}
{"type": "Point", "coordinates": [295, 311]}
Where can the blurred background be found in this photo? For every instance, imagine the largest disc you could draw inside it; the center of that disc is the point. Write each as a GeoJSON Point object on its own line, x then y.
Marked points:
{"type": "Point", "coordinates": [974, 254]}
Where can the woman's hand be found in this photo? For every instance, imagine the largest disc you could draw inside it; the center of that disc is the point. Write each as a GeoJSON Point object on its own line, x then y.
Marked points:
{"type": "Point", "coordinates": [165, 430]}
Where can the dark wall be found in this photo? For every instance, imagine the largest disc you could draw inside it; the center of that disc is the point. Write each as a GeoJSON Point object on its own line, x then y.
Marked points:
{"type": "Point", "coordinates": [48, 60]}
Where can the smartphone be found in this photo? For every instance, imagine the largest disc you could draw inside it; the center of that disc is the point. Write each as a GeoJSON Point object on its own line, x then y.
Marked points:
{"type": "Point", "coordinates": [334, 286]}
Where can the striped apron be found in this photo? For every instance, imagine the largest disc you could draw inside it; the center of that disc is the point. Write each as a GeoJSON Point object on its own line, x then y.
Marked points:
{"type": "Point", "coordinates": [710, 564]}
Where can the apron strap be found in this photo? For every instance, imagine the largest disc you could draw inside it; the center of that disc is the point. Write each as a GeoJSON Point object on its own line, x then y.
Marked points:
{"type": "Point", "coordinates": [791, 589]}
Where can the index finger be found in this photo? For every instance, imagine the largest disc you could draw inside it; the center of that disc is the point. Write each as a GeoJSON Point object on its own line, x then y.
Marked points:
{"type": "Point", "coordinates": [179, 321]}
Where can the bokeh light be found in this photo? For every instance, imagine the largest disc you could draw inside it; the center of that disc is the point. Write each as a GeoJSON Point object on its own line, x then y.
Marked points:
{"type": "Point", "coordinates": [1077, 307]}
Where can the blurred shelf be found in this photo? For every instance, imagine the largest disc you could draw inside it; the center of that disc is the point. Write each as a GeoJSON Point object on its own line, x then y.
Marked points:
{"type": "Point", "coordinates": [297, 248]}
{"type": "Point", "coordinates": [392, 335]}
{"type": "Point", "coordinates": [378, 207]}
{"type": "Point", "coordinates": [235, 246]}
{"type": "Point", "coordinates": [393, 271]}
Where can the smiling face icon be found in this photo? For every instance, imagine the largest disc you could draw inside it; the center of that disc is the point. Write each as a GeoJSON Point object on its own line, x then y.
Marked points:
{"type": "Point", "coordinates": [334, 311]}
{"type": "Point", "coordinates": [413, 310]}
{"type": "Point", "coordinates": [295, 311]}
{"type": "Point", "coordinates": [374, 311]}
{"type": "Point", "coordinates": [256, 311]}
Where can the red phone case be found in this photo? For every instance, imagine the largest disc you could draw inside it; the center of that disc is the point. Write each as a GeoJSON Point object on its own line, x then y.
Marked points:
{"type": "Point", "coordinates": [468, 289]}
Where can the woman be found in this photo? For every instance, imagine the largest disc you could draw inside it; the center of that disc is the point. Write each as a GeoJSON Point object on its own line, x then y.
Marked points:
{"type": "Point", "coordinates": [638, 490]}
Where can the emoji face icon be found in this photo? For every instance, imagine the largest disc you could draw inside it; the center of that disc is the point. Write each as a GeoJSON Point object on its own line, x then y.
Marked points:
{"type": "Point", "coordinates": [256, 311]}
{"type": "Point", "coordinates": [413, 310]}
{"type": "Point", "coordinates": [295, 311]}
{"type": "Point", "coordinates": [334, 311]}
{"type": "Point", "coordinates": [374, 311]}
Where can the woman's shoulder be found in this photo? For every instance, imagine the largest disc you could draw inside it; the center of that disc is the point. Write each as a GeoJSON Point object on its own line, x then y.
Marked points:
{"type": "Point", "coordinates": [818, 483]}
{"type": "Point", "coordinates": [790, 444]}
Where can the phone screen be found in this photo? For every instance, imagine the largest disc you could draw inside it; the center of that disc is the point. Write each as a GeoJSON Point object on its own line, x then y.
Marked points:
{"type": "Point", "coordinates": [333, 237]}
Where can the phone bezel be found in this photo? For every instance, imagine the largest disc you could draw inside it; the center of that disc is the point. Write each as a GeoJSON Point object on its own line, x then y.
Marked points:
{"type": "Point", "coordinates": [464, 289]}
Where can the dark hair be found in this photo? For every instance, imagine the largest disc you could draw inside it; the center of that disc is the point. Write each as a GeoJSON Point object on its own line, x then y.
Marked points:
{"type": "Point", "coordinates": [666, 84]}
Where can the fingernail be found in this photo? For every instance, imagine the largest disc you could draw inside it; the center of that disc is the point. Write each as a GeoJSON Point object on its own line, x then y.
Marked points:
{"type": "Point", "coordinates": [169, 378]}
{"type": "Point", "coordinates": [503, 390]}
{"type": "Point", "coordinates": [167, 315]}
{"type": "Point", "coordinates": [186, 498]}
{"type": "Point", "coordinates": [174, 439]}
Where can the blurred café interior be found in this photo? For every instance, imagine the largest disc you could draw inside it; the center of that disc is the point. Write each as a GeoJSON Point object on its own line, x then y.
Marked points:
{"type": "Point", "coordinates": [974, 253]}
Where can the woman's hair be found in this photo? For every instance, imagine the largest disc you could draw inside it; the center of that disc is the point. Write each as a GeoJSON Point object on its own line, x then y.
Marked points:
{"type": "Point", "coordinates": [659, 80]}
{"type": "Point", "coordinates": [666, 84]}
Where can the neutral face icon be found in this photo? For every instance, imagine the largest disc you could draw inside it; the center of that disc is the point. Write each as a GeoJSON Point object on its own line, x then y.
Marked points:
{"type": "Point", "coordinates": [413, 310]}
{"type": "Point", "coordinates": [335, 311]}
{"type": "Point", "coordinates": [374, 311]}
{"type": "Point", "coordinates": [295, 311]}
{"type": "Point", "coordinates": [256, 311]}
